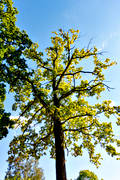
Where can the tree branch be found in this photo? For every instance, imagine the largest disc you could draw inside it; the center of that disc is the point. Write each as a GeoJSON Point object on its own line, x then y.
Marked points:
{"type": "Point", "coordinates": [26, 108]}
{"type": "Point", "coordinates": [79, 130]}
{"type": "Point", "coordinates": [38, 94]}
{"type": "Point", "coordinates": [87, 55]}
{"type": "Point", "coordinates": [78, 89]}
{"type": "Point", "coordinates": [43, 65]}
{"type": "Point", "coordinates": [73, 117]}
{"type": "Point", "coordinates": [69, 62]}
{"type": "Point", "coordinates": [71, 74]}
{"type": "Point", "coordinates": [46, 68]}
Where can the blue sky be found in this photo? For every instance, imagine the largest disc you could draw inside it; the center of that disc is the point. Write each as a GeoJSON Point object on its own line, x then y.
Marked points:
{"type": "Point", "coordinates": [97, 19]}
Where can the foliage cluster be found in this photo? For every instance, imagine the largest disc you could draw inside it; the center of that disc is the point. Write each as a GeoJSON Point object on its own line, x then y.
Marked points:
{"type": "Point", "coordinates": [25, 170]}
{"type": "Point", "coordinates": [12, 44]}
{"type": "Point", "coordinates": [87, 175]}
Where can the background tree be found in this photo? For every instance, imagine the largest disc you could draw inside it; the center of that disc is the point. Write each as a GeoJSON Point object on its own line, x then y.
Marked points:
{"type": "Point", "coordinates": [24, 170]}
{"type": "Point", "coordinates": [55, 101]}
{"type": "Point", "coordinates": [87, 175]}
{"type": "Point", "coordinates": [12, 44]}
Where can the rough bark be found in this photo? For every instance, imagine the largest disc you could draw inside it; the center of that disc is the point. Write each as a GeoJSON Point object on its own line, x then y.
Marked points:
{"type": "Point", "coordinates": [59, 136]}
{"type": "Point", "coordinates": [60, 155]}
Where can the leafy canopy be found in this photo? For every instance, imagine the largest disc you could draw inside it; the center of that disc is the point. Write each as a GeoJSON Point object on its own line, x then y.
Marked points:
{"type": "Point", "coordinates": [25, 170]}
{"type": "Point", "coordinates": [12, 44]}
{"type": "Point", "coordinates": [87, 175]}
{"type": "Point", "coordinates": [72, 76]}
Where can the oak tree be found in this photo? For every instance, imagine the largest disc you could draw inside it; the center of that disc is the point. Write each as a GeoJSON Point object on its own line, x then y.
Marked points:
{"type": "Point", "coordinates": [55, 101]}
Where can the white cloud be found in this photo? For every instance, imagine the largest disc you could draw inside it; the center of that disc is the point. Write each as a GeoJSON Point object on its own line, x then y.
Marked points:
{"type": "Point", "coordinates": [103, 45]}
{"type": "Point", "coordinates": [114, 35]}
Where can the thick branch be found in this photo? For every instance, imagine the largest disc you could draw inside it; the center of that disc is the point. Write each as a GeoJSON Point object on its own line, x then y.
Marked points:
{"type": "Point", "coordinates": [80, 129]}
{"type": "Point", "coordinates": [38, 94]}
{"type": "Point", "coordinates": [73, 117]}
{"type": "Point", "coordinates": [72, 74]}
{"type": "Point", "coordinates": [78, 89]}
{"type": "Point", "coordinates": [69, 62]}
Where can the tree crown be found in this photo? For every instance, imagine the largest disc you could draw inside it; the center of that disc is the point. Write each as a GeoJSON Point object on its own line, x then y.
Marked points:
{"type": "Point", "coordinates": [61, 84]}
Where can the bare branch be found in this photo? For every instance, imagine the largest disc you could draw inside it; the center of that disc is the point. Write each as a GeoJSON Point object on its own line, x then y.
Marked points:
{"type": "Point", "coordinates": [108, 87]}
{"type": "Point", "coordinates": [89, 43]}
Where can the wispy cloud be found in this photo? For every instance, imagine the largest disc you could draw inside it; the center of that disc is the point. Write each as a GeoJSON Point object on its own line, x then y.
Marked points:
{"type": "Point", "coordinates": [114, 35]}
{"type": "Point", "coordinates": [111, 36]}
{"type": "Point", "coordinates": [103, 45]}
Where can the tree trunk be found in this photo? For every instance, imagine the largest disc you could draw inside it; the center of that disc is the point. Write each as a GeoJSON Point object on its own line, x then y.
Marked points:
{"type": "Point", "coordinates": [59, 148]}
